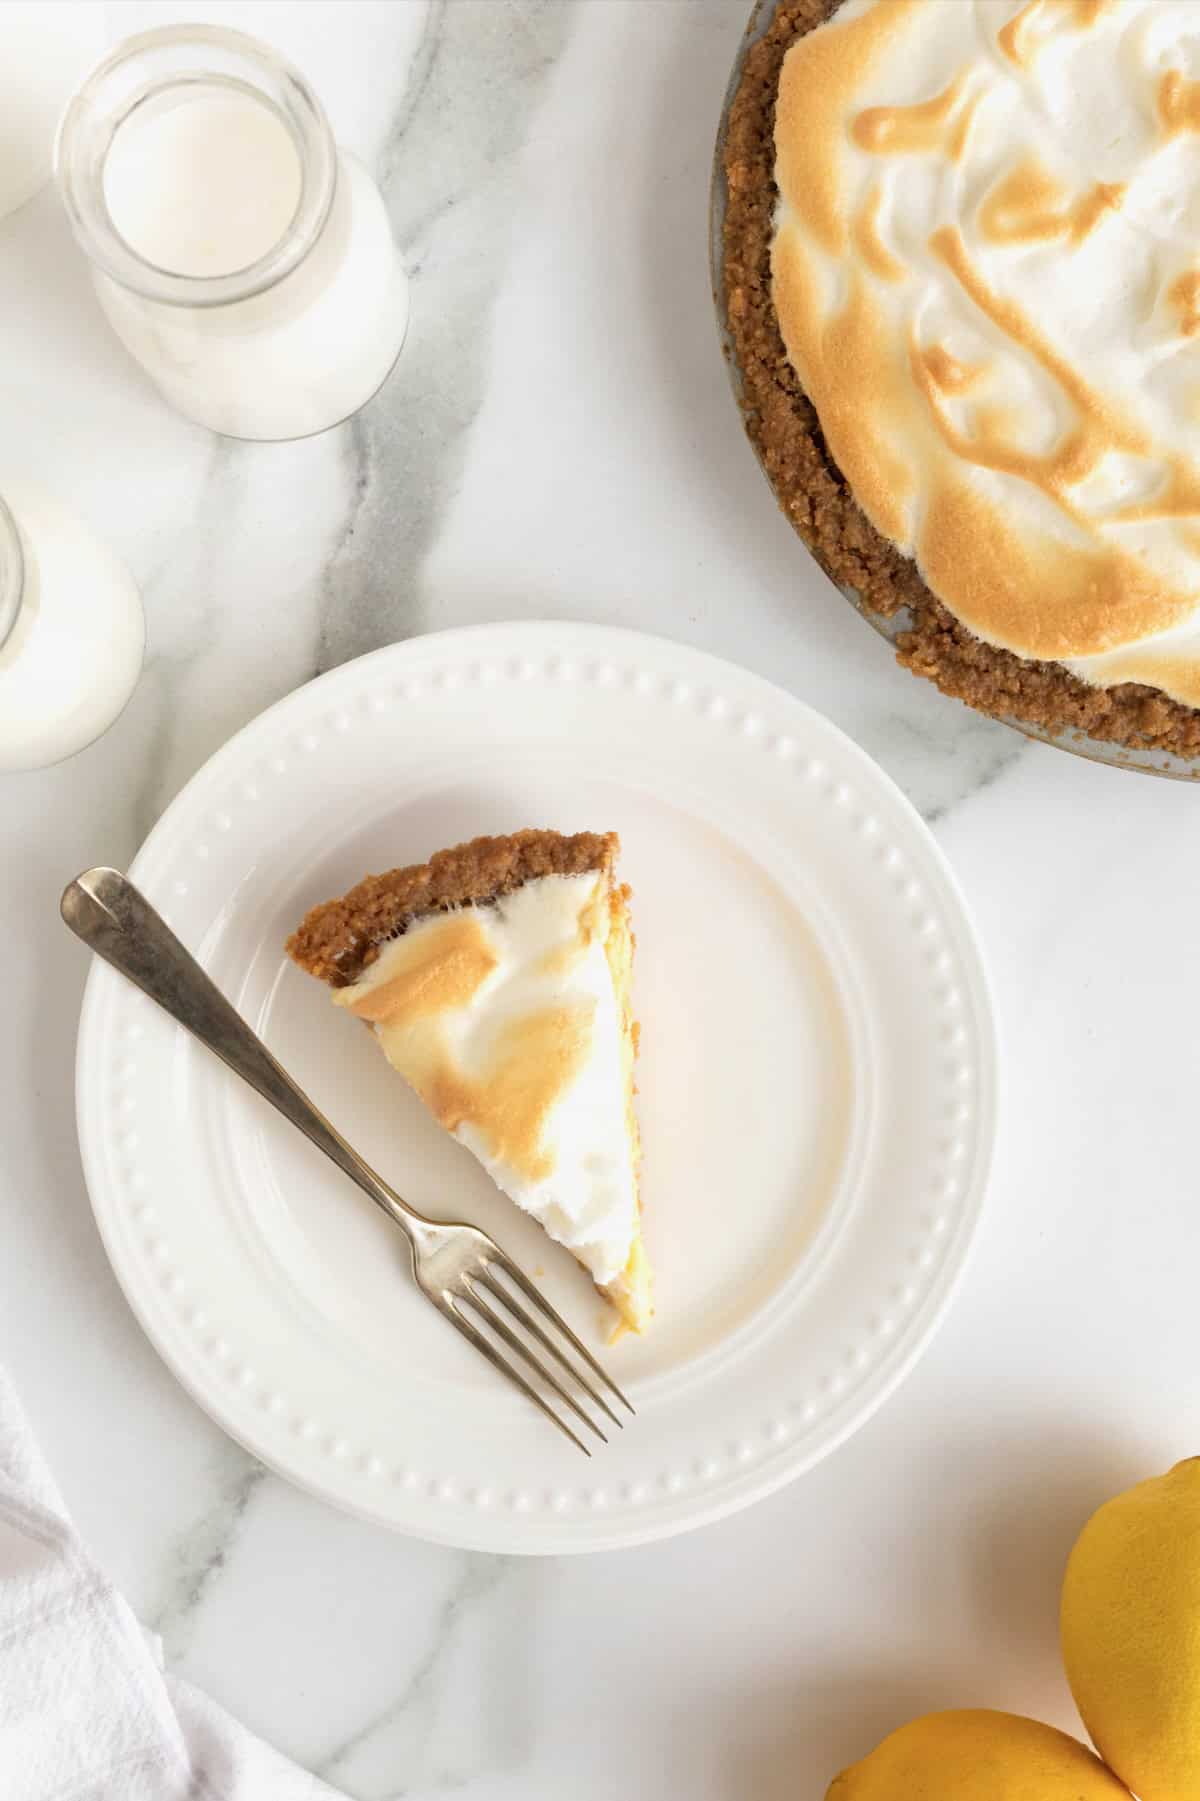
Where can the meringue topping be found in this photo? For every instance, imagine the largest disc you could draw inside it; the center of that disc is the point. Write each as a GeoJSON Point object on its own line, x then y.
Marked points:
{"type": "Point", "coordinates": [505, 1020]}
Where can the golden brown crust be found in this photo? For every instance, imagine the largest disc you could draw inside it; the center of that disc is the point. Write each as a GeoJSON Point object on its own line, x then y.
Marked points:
{"type": "Point", "coordinates": [814, 494]}
{"type": "Point", "coordinates": [338, 939]}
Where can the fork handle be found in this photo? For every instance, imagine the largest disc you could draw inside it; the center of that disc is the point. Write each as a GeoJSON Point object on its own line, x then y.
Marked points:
{"type": "Point", "coordinates": [114, 919]}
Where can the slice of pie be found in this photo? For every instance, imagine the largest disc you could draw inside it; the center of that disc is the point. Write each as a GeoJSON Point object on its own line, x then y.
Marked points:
{"type": "Point", "coordinates": [496, 978]}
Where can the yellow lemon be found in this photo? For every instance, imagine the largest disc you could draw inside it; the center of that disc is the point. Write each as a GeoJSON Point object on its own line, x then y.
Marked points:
{"type": "Point", "coordinates": [976, 1755]}
{"type": "Point", "coordinates": [1131, 1633]}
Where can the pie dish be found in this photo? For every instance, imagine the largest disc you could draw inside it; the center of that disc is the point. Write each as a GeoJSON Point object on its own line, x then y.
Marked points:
{"type": "Point", "coordinates": [943, 278]}
{"type": "Point", "coordinates": [496, 979]}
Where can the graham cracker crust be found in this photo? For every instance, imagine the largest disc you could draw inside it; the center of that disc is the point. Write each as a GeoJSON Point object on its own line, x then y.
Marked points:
{"type": "Point", "coordinates": [811, 490]}
{"type": "Point", "coordinates": [340, 938]}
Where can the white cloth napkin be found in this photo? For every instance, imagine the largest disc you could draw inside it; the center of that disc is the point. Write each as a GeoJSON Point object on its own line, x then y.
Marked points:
{"type": "Point", "coordinates": [87, 1712]}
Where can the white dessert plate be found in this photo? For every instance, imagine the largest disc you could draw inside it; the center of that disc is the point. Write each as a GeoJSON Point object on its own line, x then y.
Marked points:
{"type": "Point", "coordinates": [818, 1089]}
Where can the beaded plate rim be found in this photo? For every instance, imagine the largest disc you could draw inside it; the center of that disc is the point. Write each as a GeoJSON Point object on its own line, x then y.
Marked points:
{"type": "Point", "coordinates": [893, 1328]}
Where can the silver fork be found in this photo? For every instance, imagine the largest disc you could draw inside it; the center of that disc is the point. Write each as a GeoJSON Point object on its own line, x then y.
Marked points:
{"type": "Point", "coordinates": [456, 1266]}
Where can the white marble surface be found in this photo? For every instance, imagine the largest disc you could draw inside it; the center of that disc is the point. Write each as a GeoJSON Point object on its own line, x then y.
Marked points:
{"type": "Point", "coordinates": [559, 440]}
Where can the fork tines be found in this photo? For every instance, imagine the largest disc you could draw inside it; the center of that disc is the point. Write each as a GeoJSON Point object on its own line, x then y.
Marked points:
{"type": "Point", "coordinates": [481, 1289]}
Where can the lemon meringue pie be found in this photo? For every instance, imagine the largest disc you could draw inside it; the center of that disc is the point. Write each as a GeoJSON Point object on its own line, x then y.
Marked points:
{"type": "Point", "coordinates": [979, 253]}
{"type": "Point", "coordinates": [496, 980]}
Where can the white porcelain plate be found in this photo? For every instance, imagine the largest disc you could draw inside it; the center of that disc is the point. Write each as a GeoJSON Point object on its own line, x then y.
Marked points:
{"type": "Point", "coordinates": [817, 1089]}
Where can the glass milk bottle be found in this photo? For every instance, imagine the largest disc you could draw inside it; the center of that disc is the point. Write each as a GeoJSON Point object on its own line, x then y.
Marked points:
{"type": "Point", "coordinates": [44, 52]}
{"type": "Point", "coordinates": [71, 632]}
{"type": "Point", "coordinates": [241, 258]}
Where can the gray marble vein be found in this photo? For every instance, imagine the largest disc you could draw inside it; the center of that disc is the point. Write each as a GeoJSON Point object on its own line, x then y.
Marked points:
{"type": "Point", "coordinates": [977, 773]}
{"type": "Point", "coordinates": [941, 755]}
{"type": "Point", "coordinates": [202, 1550]}
{"type": "Point", "coordinates": [448, 172]}
{"type": "Point", "coordinates": [190, 632]}
{"type": "Point", "coordinates": [426, 1740]}
{"type": "Point", "coordinates": [242, 551]}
